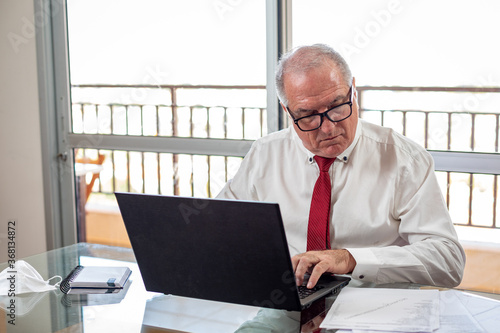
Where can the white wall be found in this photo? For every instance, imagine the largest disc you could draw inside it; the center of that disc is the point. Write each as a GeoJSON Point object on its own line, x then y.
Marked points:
{"type": "Point", "coordinates": [21, 185]}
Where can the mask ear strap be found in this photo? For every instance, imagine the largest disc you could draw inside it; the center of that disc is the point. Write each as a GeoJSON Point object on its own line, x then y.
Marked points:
{"type": "Point", "coordinates": [54, 277]}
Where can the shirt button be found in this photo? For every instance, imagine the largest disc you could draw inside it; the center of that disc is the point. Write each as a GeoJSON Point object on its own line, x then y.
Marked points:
{"type": "Point", "coordinates": [310, 159]}
{"type": "Point", "coordinates": [345, 158]}
{"type": "Point", "coordinates": [361, 277]}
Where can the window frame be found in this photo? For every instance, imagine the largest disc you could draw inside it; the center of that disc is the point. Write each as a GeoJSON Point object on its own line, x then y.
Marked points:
{"type": "Point", "coordinates": [58, 142]}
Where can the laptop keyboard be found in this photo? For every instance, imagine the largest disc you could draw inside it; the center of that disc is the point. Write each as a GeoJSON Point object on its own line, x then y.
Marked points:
{"type": "Point", "coordinates": [304, 291]}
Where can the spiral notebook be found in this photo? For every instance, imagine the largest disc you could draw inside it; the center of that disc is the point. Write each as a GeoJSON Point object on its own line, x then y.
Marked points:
{"type": "Point", "coordinates": [95, 277]}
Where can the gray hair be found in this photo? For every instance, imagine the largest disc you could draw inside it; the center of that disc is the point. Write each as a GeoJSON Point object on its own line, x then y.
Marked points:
{"type": "Point", "coordinates": [304, 58]}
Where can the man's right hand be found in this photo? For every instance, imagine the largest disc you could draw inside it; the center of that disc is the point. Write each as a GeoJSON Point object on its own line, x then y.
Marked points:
{"type": "Point", "coordinates": [318, 262]}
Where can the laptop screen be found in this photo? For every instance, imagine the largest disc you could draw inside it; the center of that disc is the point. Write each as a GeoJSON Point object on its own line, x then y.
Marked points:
{"type": "Point", "coordinates": [215, 249]}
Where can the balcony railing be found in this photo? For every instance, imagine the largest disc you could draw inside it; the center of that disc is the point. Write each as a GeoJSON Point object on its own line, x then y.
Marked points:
{"type": "Point", "coordinates": [445, 119]}
{"type": "Point", "coordinates": [468, 121]}
{"type": "Point", "coordinates": [170, 111]}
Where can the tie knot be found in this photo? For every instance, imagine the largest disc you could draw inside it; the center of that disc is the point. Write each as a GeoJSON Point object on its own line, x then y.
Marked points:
{"type": "Point", "coordinates": [324, 163]}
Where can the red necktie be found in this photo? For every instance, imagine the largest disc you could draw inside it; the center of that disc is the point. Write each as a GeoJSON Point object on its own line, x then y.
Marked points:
{"type": "Point", "coordinates": [318, 231]}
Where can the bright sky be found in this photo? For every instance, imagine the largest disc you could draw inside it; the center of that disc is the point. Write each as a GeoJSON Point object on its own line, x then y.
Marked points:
{"type": "Point", "coordinates": [169, 42]}
{"type": "Point", "coordinates": [386, 42]}
{"type": "Point", "coordinates": [405, 42]}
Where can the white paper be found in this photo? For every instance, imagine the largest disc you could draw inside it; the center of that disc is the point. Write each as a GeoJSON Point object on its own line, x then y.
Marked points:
{"type": "Point", "coordinates": [486, 311]}
{"type": "Point", "coordinates": [460, 312]}
{"type": "Point", "coordinates": [454, 316]}
{"type": "Point", "coordinates": [407, 310]}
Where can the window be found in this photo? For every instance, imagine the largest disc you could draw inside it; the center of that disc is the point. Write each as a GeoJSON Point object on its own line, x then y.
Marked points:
{"type": "Point", "coordinates": [429, 70]}
{"type": "Point", "coordinates": [166, 98]}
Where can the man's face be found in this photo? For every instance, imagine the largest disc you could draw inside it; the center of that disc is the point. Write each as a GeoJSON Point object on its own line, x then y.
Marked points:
{"type": "Point", "coordinates": [316, 91]}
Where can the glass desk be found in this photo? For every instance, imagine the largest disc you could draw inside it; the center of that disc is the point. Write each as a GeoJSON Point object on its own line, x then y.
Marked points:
{"type": "Point", "coordinates": [136, 310]}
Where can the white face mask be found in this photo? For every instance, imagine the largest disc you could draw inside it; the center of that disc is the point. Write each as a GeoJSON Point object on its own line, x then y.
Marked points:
{"type": "Point", "coordinates": [24, 279]}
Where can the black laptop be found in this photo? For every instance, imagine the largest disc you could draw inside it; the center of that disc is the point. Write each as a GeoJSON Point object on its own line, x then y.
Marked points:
{"type": "Point", "coordinates": [216, 249]}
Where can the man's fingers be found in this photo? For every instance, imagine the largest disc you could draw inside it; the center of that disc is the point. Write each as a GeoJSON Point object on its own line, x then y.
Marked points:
{"type": "Point", "coordinates": [319, 262]}
{"type": "Point", "coordinates": [301, 269]}
{"type": "Point", "coordinates": [295, 261]}
{"type": "Point", "coordinates": [316, 273]}
{"type": "Point", "coordinates": [295, 264]}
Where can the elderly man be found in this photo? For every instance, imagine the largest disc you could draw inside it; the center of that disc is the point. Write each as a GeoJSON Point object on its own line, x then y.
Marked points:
{"type": "Point", "coordinates": [355, 197]}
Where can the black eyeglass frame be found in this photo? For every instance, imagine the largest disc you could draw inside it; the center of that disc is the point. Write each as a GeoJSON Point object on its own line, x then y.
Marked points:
{"type": "Point", "coordinates": [324, 114]}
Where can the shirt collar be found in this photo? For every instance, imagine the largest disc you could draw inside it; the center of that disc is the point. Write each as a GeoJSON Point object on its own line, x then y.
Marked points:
{"type": "Point", "coordinates": [344, 157]}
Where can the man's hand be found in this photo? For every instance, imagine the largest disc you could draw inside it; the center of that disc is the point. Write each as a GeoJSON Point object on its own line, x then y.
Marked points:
{"type": "Point", "coordinates": [318, 262]}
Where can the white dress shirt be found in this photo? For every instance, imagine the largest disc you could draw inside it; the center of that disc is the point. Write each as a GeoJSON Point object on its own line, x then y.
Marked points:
{"type": "Point", "coordinates": [387, 208]}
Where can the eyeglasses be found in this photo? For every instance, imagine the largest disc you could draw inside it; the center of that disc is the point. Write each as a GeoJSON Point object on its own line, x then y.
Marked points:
{"type": "Point", "coordinates": [335, 115]}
